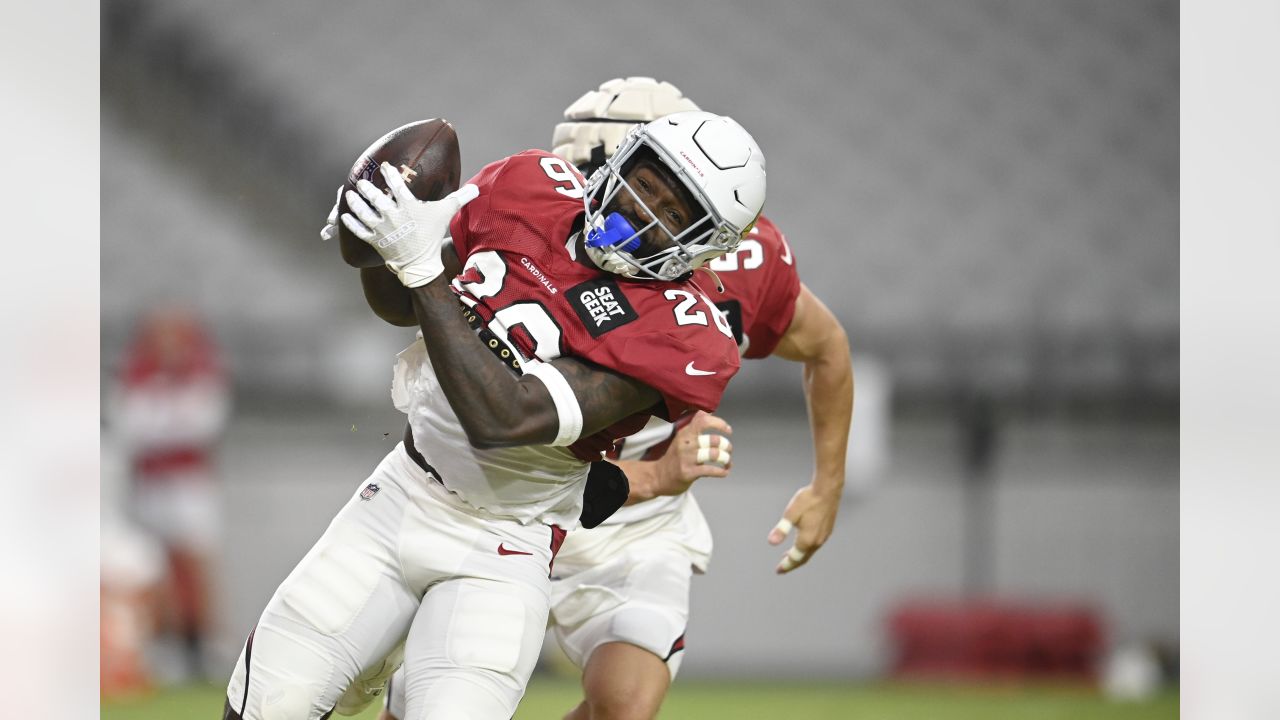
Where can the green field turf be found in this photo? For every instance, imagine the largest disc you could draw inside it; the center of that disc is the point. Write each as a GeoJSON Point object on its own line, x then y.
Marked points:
{"type": "Point", "coordinates": [548, 699]}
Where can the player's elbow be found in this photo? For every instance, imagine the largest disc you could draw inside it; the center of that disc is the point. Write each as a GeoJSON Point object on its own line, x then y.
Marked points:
{"type": "Point", "coordinates": [838, 341]}
{"type": "Point", "coordinates": [832, 349]}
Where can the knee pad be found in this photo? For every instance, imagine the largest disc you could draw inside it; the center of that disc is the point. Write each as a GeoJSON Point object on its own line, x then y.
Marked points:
{"type": "Point", "coordinates": [281, 677]}
{"type": "Point", "coordinates": [288, 702]}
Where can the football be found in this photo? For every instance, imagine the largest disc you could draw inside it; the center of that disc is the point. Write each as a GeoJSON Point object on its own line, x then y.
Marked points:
{"type": "Point", "coordinates": [426, 152]}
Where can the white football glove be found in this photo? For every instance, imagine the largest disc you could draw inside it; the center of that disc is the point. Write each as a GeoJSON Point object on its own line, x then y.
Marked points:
{"type": "Point", "coordinates": [330, 229]}
{"type": "Point", "coordinates": [407, 232]}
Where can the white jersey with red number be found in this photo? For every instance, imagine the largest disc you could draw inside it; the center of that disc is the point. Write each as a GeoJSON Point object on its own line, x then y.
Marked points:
{"type": "Point", "coordinates": [759, 300]}
{"type": "Point", "coordinates": [523, 279]}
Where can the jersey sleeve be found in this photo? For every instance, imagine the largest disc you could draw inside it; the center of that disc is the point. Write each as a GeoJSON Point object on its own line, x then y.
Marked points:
{"type": "Point", "coordinates": [775, 296]}
{"type": "Point", "coordinates": [465, 227]}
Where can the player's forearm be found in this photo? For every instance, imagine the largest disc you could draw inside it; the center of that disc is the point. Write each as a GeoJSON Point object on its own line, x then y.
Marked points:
{"type": "Point", "coordinates": [392, 301]}
{"type": "Point", "coordinates": [495, 408]}
{"type": "Point", "coordinates": [828, 387]}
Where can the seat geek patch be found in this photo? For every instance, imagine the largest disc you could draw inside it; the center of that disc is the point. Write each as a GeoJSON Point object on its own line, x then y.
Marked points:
{"type": "Point", "coordinates": [600, 305]}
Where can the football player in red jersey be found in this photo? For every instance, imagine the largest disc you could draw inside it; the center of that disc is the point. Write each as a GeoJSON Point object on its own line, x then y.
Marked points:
{"type": "Point", "coordinates": [620, 595]}
{"type": "Point", "coordinates": [561, 317]}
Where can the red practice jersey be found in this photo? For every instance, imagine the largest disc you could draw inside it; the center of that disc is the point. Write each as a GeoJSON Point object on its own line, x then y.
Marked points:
{"type": "Point", "coordinates": [760, 289]}
{"type": "Point", "coordinates": [523, 278]}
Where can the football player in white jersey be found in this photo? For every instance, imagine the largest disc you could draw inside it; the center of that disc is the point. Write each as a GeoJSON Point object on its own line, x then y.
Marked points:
{"type": "Point", "coordinates": [560, 316]}
{"type": "Point", "coordinates": [620, 594]}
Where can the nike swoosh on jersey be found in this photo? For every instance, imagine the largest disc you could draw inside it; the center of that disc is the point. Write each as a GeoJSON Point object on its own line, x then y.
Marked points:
{"type": "Point", "coordinates": [691, 370]}
{"type": "Point", "coordinates": [786, 255]}
{"type": "Point", "coordinates": [503, 550]}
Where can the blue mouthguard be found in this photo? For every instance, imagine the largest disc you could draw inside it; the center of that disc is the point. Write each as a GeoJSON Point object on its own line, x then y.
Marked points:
{"type": "Point", "coordinates": [616, 229]}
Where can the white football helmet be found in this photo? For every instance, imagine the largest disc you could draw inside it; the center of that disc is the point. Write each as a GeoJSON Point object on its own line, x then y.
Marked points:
{"type": "Point", "coordinates": [596, 123]}
{"type": "Point", "coordinates": [721, 167]}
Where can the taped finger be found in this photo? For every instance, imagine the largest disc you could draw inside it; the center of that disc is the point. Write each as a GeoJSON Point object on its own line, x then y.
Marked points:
{"type": "Point", "coordinates": [723, 459]}
{"type": "Point", "coordinates": [713, 455]}
{"type": "Point", "coordinates": [784, 527]}
{"type": "Point", "coordinates": [712, 440]}
{"type": "Point", "coordinates": [792, 559]}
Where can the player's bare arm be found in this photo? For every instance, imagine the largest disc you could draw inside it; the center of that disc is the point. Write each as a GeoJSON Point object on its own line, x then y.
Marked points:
{"type": "Point", "coordinates": [699, 449]}
{"type": "Point", "coordinates": [496, 408]}
{"type": "Point", "coordinates": [816, 338]}
{"type": "Point", "coordinates": [390, 300]}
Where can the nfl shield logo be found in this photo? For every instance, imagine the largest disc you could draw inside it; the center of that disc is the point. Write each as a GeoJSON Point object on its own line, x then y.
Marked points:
{"type": "Point", "coordinates": [369, 491]}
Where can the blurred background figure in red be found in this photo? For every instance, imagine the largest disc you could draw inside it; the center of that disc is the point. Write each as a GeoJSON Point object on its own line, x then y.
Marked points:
{"type": "Point", "coordinates": [168, 409]}
{"type": "Point", "coordinates": [131, 577]}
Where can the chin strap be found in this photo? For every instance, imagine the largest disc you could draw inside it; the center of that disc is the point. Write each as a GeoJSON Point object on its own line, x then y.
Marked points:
{"type": "Point", "coordinates": [609, 262]}
{"type": "Point", "coordinates": [714, 276]}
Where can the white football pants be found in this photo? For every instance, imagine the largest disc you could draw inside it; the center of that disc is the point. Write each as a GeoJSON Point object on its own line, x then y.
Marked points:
{"type": "Point", "coordinates": [403, 561]}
